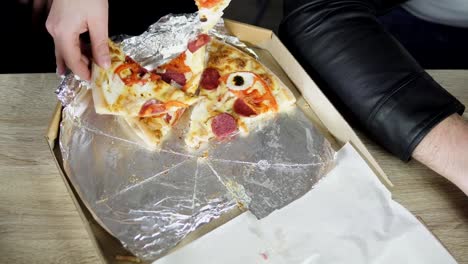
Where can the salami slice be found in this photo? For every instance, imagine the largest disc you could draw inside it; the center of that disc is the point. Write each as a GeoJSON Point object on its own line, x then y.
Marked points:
{"type": "Point", "coordinates": [177, 77]}
{"type": "Point", "coordinates": [243, 109]}
{"type": "Point", "coordinates": [223, 125]}
{"type": "Point", "coordinates": [152, 107]}
{"type": "Point", "coordinates": [210, 79]}
{"type": "Point", "coordinates": [201, 41]}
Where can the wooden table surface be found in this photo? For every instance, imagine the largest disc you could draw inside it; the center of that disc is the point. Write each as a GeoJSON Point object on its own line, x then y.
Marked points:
{"type": "Point", "coordinates": [39, 223]}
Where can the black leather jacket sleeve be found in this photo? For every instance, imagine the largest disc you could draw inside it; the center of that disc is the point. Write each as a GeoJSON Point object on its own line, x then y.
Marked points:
{"type": "Point", "coordinates": [366, 73]}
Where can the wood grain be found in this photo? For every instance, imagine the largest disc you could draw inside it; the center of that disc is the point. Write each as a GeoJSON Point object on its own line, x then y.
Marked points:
{"type": "Point", "coordinates": [39, 223]}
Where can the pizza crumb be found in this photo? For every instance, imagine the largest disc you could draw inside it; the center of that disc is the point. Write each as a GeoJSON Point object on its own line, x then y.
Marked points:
{"type": "Point", "coordinates": [241, 206]}
{"type": "Point", "coordinates": [134, 179]}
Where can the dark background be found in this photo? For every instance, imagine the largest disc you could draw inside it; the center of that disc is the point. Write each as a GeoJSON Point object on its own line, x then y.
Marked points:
{"type": "Point", "coordinates": [27, 47]}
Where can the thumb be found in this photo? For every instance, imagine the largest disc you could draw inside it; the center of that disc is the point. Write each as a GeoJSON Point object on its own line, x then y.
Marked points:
{"type": "Point", "coordinates": [99, 42]}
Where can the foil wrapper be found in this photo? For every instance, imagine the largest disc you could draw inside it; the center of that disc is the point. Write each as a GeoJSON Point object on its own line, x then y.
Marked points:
{"type": "Point", "coordinates": [152, 200]}
{"type": "Point", "coordinates": [69, 87]}
{"type": "Point", "coordinates": [163, 41]}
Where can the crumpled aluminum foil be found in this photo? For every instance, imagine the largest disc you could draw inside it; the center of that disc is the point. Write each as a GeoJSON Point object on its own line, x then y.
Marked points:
{"type": "Point", "coordinates": [151, 201]}
{"type": "Point", "coordinates": [69, 87]}
{"type": "Point", "coordinates": [163, 41]}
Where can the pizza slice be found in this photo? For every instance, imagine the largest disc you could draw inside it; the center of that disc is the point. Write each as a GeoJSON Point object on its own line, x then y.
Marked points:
{"type": "Point", "coordinates": [210, 11]}
{"type": "Point", "coordinates": [185, 71]}
{"type": "Point", "coordinates": [125, 88]}
{"type": "Point", "coordinates": [239, 94]}
{"type": "Point", "coordinates": [154, 130]}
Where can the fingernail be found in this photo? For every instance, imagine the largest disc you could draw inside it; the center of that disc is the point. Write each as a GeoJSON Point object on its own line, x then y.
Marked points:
{"type": "Point", "coordinates": [105, 62]}
{"type": "Point", "coordinates": [59, 73]}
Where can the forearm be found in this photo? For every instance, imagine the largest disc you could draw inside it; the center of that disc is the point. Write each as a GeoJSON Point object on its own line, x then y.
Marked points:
{"type": "Point", "coordinates": [445, 150]}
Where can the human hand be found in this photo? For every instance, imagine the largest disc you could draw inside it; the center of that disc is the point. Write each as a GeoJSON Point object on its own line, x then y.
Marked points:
{"type": "Point", "coordinates": [67, 20]}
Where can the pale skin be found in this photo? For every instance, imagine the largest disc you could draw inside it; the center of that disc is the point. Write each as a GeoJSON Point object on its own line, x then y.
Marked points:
{"type": "Point", "coordinates": [70, 18]}
{"type": "Point", "coordinates": [444, 149]}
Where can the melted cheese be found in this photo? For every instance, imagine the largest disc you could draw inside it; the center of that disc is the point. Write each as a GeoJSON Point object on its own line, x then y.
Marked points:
{"type": "Point", "coordinates": [112, 96]}
{"type": "Point", "coordinates": [114, 88]}
{"type": "Point", "coordinates": [200, 126]}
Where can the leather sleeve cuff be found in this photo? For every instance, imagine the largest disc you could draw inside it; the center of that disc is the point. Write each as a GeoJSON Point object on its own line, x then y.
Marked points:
{"type": "Point", "coordinates": [404, 117]}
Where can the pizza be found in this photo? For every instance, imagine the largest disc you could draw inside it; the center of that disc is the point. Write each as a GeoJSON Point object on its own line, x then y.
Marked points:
{"type": "Point", "coordinates": [210, 11]}
{"type": "Point", "coordinates": [238, 94]}
{"type": "Point", "coordinates": [127, 89]}
{"type": "Point", "coordinates": [184, 71]}
{"type": "Point", "coordinates": [151, 102]}
{"type": "Point", "coordinates": [228, 91]}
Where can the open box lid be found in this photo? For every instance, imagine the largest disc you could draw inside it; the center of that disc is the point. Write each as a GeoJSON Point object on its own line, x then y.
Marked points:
{"type": "Point", "coordinates": [314, 103]}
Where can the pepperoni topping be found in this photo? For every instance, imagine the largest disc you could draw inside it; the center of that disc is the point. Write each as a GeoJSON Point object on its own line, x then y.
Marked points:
{"type": "Point", "coordinates": [152, 107]}
{"type": "Point", "coordinates": [243, 109]}
{"type": "Point", "coordinates": [223, 125]}
{"type": "Point", "coordinates": [210, 79]}
{"type": "Point", "coordinates": [201, 41]}
{"type": "Point", "coordinates": [177, 77]}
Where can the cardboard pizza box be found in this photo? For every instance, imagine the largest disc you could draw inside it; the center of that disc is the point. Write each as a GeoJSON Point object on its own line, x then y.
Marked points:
{"type": "Point", "coordinates": [310, 99]}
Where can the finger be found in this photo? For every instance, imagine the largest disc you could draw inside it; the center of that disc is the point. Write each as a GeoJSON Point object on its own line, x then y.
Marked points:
{"type": "Point", "coordinates": [99, 40]}
{"type": "Point", "coordinates": [69, 47]}
{"type": "Point", "coordinates": [61, 68]}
